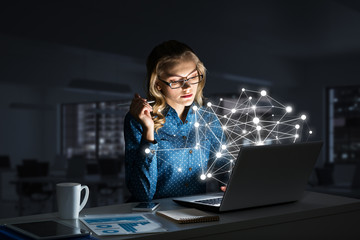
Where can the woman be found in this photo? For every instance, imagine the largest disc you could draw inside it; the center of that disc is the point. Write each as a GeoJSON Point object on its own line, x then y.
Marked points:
{"type": "Point", "coordinates": [170, 145]}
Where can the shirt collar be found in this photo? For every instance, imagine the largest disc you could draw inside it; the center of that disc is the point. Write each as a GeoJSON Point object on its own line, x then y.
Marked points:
{"type": "Point", "coordinates": [169, 111]}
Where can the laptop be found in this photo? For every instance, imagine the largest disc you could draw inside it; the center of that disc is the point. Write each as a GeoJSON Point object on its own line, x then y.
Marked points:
{"type": "Point", "coordinates": [262, 175]}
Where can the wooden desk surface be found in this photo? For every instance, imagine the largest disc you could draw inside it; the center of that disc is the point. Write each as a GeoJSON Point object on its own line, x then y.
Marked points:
{"type": "Point", "coordinates": [332, 216]}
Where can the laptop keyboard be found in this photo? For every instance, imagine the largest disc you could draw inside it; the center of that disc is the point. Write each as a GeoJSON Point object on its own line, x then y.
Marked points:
{"type": "Point", "coordinates": [211, 201]}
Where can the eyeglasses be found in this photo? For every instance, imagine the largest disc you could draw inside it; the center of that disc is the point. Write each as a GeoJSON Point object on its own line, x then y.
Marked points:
{"type": "Point", "coordinates": [180, 83]}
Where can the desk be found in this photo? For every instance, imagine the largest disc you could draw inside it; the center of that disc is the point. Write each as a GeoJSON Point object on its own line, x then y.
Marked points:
{"type": "Point", "coordinates": [315, 216]}
{"type": "Point", "coordinates": [91, 181]}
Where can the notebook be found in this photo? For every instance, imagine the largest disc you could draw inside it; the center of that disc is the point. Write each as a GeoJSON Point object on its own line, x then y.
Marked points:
{"type": "Point", "coordinates": [262, 175]}
{"type": "Point", "coordinates": [188, 215]}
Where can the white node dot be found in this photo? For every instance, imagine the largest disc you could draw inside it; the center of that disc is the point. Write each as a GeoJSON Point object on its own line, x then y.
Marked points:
{"type": "Point", "coordinates": [233, 110]}
{"type": "Point", "coordinates": [258, 128]}
{"type": "Point", "coordinates": [225, 116]}
{"type": "Point", "coordinates": [196, 147]}
{"type": "Point", "coordinates": [310, 132]}
{"type": "Point", "coordinates": [277, 122]}
{"type": "Point", "coordinates": [147, 150]}
{"type": "Point", "coordinates": [209, 104]}
{"type": "Point", "coordinates": [202, 177]}
{"type": "Point", "coordinates": [218, 154]}
{"type": "Point", "coordinates": [224, 127]}
{"type": "Point", "coordinates": [288, 109]}
{"type": "Point", "coordinates": [272, 115]}
{"type": "Point", "coordinates": [253, 107]}
{"type": "Point", "coordinates": [256, 120]}
{"type": "Point", "coordinates": [197, 124]}
{"type": "Point", "coordinates": [179, 169]}
{"type": "Point", "coordinates": [223, 147]}
{"type": "Point", "coordinates": [296, 135]}
{"type": "Point", "coordinates": [297, 126]}
{"type": "Point", "coordinates": [263, 93]}
{"type": "Point", "coordinates": [303, 117]}
{"type": "Point", "coordinates": [243, 89]}
{"type": "Point", "coordinates": [250, 98]}
{"type": "Point", "coordinates": [259, 143]}
{"type": "Point", "coordinates": [243, 131]}
{"type": "Point", "coordinates": [231, 160]}
{"type": "Point", "coordinates": [221, 99]}
{"type": "Point", "coordinates": [277, 137]}
{"type": "Point", "coordinates": [195, 108]}
{"type": "Point", "coordinates": [209, 175]}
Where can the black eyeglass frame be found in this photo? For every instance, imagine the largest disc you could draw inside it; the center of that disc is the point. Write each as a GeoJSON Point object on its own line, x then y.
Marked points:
{"type": "Point", "coordinates": [200, 76]}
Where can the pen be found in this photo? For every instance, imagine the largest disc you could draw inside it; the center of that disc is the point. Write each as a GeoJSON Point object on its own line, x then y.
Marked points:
{"type": "Point", "coordinates": [128, 103]}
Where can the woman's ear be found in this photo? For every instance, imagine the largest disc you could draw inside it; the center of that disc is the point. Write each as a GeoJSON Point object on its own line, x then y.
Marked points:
{"type": "Point", "coordinates": [158, 87]}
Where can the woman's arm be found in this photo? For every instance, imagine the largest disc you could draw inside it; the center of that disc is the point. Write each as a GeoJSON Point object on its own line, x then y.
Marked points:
{"type": "Point", "coordinates": [141, 110]}
{"type": "Point", "coordinates": [140, 167]}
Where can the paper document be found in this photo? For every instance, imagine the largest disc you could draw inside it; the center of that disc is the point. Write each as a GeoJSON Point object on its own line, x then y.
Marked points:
{"type": "Point", "coordinates": [120, 224]}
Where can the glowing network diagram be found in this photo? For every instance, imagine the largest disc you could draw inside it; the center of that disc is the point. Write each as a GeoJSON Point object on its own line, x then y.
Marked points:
{"type": "Point", "coordinates": [254, 118]}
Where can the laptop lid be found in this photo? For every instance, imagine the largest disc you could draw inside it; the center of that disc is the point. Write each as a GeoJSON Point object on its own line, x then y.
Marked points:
{"type": "Point", "coordinates": [266, 175]}
{"type": "Point", "coordinates": [270, 174]}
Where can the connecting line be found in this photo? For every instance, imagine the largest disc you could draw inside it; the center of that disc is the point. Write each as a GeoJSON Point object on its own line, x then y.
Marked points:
{"type": "Point", "coordinates": [197, 140]}
{"type": "Point", "coordinates": [222, 132]}
{"type": "Point", "coordinates": [286, 138]}
{"type": "Point", "coordinates": [239, 138]}
{"type": "Point", "coordinates": [295, 137]}
{"type": "Point", "coordinates": [219, 181]}
{"type": "Point", "coordinates": [218, 106]}
{"type": "Point", "coordinates": [274, 127]}
{"type": "Point", "coordinates": [276, 101]}
{"type": "Point", "coordinates": [202, 156]}
{"type": "Point", "coordinates": [268, 99]}
{"type": "Point", "coordinates": [211, 131]}
{"type": "Point", "coordinates": [259, 100]}
{"type": "Point", "coordinates": [217, 170]}
{"type": "Point", "coordinates": [265, 112]}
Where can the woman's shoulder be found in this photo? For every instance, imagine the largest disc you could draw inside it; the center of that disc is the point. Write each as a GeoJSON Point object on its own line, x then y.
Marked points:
{"type": "Point", "coordinates": [128, 117]}
{"type": "Point", "coordinates": [129, 120]}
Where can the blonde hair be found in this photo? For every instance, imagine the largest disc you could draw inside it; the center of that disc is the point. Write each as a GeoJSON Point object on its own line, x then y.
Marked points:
{"type": "Point", "coordinates": [162, 56]}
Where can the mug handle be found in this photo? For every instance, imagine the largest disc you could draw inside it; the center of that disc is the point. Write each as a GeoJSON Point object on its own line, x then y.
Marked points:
{"type": "Point", "coordinates": [84, 201]}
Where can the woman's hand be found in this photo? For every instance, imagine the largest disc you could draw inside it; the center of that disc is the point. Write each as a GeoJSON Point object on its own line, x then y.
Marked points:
{"type": "Point", "coordinates": [141, 111]}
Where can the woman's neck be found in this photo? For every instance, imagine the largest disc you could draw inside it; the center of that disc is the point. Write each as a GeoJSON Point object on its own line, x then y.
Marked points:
{"type": "Point", "coordinates": [184, 114]}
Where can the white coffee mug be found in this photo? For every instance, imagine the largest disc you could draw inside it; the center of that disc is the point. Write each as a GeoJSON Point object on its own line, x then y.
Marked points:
{"type": "Point", "coordinates": [68, 199]}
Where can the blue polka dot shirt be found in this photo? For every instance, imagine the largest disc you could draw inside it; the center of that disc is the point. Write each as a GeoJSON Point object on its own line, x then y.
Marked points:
{"type": "Point", "coordinates": [173, 164]}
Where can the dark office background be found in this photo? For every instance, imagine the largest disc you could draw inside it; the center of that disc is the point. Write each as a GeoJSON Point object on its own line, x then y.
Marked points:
{"type": "Point", "coordinates": [57, 53]}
